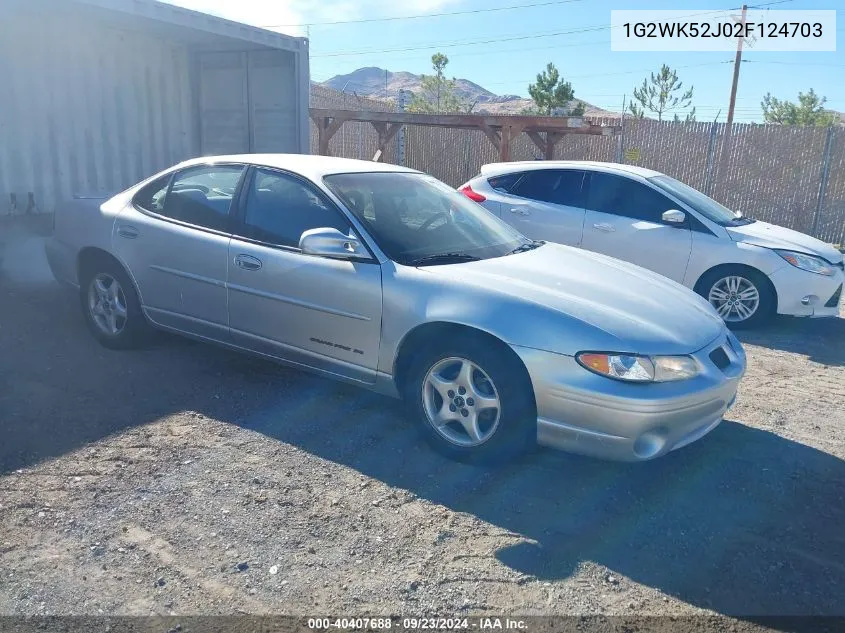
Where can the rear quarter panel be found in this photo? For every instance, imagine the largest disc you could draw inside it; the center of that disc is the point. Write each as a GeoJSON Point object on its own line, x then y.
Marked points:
{"type": "Point", "coordinates": [82, 223]}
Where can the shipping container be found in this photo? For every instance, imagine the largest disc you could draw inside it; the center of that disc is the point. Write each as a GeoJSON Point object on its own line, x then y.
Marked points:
{"type": "Point", "coordinates": [95, 95]}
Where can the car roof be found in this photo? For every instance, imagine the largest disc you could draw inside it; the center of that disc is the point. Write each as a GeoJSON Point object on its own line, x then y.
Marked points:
{"type": "Point", "coordinates": [495, 169]}
{"type": "Point", "coordinates": [312, 167]}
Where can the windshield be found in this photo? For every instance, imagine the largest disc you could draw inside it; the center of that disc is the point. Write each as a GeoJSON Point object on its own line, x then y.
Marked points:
{"type": "Point", "coordinates": [705, 205]}
{"type": "Point", "coordinates": [417, 220]}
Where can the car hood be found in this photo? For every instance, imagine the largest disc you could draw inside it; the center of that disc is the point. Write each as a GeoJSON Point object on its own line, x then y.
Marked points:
{"type": "Point", "coordinates": [772, 236]}
{"type": "Point", "coordinates": [626, 307]}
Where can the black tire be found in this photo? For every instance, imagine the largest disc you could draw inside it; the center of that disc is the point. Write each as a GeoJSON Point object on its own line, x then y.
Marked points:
{"type": "Point", "coordinates": [134, 330]}
{"type": "Point", "coordinates": [767, 298]}
{"type": "Point", "coordinates": [515, 431]}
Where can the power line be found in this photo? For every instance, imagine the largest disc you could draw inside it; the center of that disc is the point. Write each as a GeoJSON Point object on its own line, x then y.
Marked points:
{"type": "Point", "coordinates": [588, 29]}
{"type": "Point", "coordinates": [756, 61]}
{"type": "Point", "coordinates": [427, 15]}
{"type": "Point", "coordinates": [529, 36]}
{"type": "Point", "coordinates": [466, 12]}
{"type": "Point", "coordinates": [505, 51]}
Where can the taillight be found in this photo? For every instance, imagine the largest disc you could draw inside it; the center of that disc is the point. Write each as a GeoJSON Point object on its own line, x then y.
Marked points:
{"type": "Point", "coordinates": [472, 195]}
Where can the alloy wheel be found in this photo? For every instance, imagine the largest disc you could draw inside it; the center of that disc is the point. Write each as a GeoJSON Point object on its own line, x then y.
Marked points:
{"type": "Point", "coordinates": [461, 402]}
{"type": "Point", "coordinates": [107, 304]}
{"type": "Point", "coordinates": [735, 298]}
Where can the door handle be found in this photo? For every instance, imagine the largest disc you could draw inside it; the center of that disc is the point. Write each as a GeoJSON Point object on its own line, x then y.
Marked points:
{"type": "Point", "coordinates": [247, 262]}
{"type": "Point", "coordinates": [129, 232]}
{"type": "Point", "coordinates": [603, 226]}
{"type": "Point", "coordinates": [520, 211]}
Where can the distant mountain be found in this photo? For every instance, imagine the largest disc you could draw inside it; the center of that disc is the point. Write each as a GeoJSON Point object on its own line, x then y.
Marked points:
{"type": "Point", "coordinates": [384, 84]}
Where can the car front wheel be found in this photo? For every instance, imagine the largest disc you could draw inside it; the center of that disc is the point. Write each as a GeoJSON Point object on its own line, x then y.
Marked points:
{"type": "Point", "coordinates": [743, 298]}
{"type": "Point", "coordinates": [472, 402]}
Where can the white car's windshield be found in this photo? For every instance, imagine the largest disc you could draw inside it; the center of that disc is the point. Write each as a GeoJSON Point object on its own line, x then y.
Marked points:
{"type": "Point", "coordinates": [418, 220]}
{"type": "Point", "coordinates": [705, 205]}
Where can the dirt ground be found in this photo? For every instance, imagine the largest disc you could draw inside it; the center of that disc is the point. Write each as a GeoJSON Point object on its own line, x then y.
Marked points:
{"type": "Point", "coordinates": [190, 480]}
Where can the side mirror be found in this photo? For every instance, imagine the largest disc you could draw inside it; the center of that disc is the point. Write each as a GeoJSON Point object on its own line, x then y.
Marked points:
{"type": "Point", "coordinates": [327, 242]}
{"type": "Point", "coordinates": [673, 216]}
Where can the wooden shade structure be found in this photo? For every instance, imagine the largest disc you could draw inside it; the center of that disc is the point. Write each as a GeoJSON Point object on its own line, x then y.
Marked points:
{"type": "Point", "coordinates": [544, 131]}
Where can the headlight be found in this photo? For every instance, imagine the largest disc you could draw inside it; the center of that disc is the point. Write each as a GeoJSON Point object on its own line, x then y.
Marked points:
{"type": "Point", "coordinates": [633, 368]}
{"type": "Point", "coordinates": [810, 263]}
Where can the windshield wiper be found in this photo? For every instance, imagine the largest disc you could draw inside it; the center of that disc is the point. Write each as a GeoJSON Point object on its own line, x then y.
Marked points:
{"type": "Point", "coordinates": [443, 258]}
{"type": "Point", "coordinates": [741, 221]}
{"type": "Point", "coordinates": [530, 246]}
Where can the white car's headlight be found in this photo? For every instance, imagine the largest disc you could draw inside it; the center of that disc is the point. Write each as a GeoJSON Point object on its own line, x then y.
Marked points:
{"type": "Point", "coordinates": [810, 263]}
{"type": "Point", "coordinates": [633, 368]}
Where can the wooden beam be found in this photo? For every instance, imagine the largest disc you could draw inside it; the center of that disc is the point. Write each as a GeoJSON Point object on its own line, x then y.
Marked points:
{"type": "Point", "coordinates": [334, 126]}
{"type": "Point", "coordinates": [391, 132]}
{"type": "Point", "coordinates": [492, 134]}
{"type": "Point", "coordinates": [509, 133]}
{"type": "Point", "coordinates": [326, 129]}
{"type": "Point", "coordinates": [465, 121]}
{"type": "Point", "coordinates": [551, 140]}
{"type": "Point", "coordinates": [538, 140]}
{"type": "Point", "coordinates": [322, 137]}
{"type": "Point", "coordinates": [386, 132]}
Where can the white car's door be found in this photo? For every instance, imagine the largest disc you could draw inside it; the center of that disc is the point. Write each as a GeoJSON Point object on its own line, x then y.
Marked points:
{"type": "Point", "coordinates": [319, 312]}
{"type": "Point", "coordinates": [624, 220]}
{"type": "Point", "coordinates": [546, 204]}
{"type": "Point", "coordinates": [174, 239]}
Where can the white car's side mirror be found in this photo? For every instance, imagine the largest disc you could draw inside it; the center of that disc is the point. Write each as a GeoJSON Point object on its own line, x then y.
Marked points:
{"type": "Point", "coordinates": [328, 242]}
{"type": "Point", "coordinates": [673, 216]}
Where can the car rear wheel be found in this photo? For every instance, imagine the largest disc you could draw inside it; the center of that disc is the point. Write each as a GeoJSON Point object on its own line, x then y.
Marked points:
{"type": "Point", "coordinates": [111, 306]}
{"type": "Point", "coordinates": [471, 402]}
{"type": "Point", "coordinates": [743, 298]}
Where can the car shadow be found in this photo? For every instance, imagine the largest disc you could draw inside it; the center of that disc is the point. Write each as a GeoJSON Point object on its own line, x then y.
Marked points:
{"type": "Point", "coordinates": [820, 340]}
{"type": "Point", "coordinates": [743, 522]}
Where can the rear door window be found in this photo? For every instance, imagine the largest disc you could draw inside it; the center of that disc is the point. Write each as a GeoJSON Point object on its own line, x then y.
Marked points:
{"type": "Point", "coordinates": [558, 186]}
{"type": "Point", "coordinates": [505, 182]}
{"type": "Point", "coordinates": [201, 196]}
{"type": "Point", "coordinates": [151, 196]}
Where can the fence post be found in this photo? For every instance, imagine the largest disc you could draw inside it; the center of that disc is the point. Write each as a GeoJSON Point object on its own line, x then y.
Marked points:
{"type": "Point", "coordinates": [400, 138]}
{"type": "Point", "coordinates": [710, 150]}
{"type": "Point", "coordinates": [360, 129]}
{"type": "Point", "coordinates": [620, 143]}
{"type": "Point", "coordinates": [828, 144]}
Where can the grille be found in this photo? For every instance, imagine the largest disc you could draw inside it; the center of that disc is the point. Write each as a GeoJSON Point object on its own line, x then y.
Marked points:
{"type": "Point", "coordinates": [834, 300]}
{"type": "Point", "coordinates": [719, 358]}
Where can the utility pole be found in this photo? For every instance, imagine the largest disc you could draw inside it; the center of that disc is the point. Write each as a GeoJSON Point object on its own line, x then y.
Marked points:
{"type": "Point", "coordinates": [726, 142]}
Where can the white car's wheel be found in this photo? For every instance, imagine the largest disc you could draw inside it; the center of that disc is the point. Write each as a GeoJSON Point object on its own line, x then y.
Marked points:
{"type": "Point", "coordinates": [743, 297]}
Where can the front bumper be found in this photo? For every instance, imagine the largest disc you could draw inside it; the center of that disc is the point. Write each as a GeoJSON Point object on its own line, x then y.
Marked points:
{"type": "Point", "coordinates": [794, 285]}
{"type": "Point", "coordinates": [581, 412]}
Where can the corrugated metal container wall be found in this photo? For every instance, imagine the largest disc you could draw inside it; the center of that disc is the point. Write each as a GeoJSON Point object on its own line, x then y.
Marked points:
{"type": "Point", "coordinates": [88, 109]}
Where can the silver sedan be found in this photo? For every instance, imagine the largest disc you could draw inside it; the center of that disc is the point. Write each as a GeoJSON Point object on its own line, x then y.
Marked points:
{"type": "Point", "coordinates": [386, 278]}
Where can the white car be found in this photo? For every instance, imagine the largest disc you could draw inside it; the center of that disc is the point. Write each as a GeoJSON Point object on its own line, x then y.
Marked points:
{"type": "Point", "coordinates": [747, 269]}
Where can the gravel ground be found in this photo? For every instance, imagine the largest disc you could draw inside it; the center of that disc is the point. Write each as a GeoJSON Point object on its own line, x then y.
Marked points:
{"type": "Point", "coordinates": [184, 479]}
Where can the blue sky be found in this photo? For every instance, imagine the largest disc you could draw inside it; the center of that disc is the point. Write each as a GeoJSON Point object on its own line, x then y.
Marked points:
{"type": "Point", "coordinates": [473, 43]}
